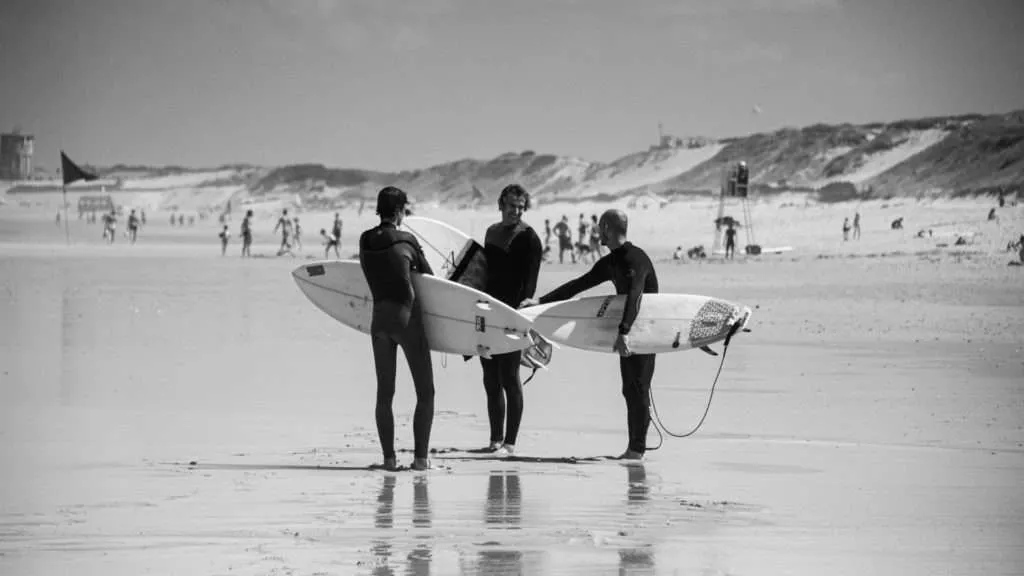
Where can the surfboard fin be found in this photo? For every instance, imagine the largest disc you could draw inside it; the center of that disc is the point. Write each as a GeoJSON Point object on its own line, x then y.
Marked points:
{"type": "Point", "coordinates": [709, 350]}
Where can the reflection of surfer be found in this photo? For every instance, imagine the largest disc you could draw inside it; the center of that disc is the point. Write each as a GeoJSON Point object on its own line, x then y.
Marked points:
{"type": "Point", "coordinates": [513, 253]}
{"type": "Point", "coordinates": [503, 509]}
{"type": "Point", "coordinates": [636, 559]}
{"type": "Point", "coordinates": [388, 257]}
{"type": "Point", "coordinates": [631, 271]}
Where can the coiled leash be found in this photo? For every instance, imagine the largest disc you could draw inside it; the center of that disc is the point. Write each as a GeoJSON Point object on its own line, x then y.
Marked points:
{"type": "Point", "coordinates": [659, 426]}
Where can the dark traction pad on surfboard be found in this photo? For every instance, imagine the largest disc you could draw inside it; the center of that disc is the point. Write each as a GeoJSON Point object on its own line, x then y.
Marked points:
{"type": "Point", "coordinates": [471, 269]}
{"type": "Point", "coordinates": [709, 322]}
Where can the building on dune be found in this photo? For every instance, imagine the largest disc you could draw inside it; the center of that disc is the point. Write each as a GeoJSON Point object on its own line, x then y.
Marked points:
{"type": "Point", "coordinates": [16, 151]}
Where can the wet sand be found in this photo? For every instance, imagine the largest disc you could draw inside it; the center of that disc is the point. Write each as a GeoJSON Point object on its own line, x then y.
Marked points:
{"type": "Point", "coordinates": [165, 410]}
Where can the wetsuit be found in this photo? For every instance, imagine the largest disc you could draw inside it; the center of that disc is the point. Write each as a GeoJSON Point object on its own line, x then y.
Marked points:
{"type": "Point", "coordinates": [513, 262]}
{"type": "Point", "coordinates": [632, 273]}
{"type": "Point", "coordinates": [389, 257]}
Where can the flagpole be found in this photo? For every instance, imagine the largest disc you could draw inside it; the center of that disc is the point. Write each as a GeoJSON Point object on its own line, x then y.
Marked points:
{"type": "Point", "coordinates": [67, 232]}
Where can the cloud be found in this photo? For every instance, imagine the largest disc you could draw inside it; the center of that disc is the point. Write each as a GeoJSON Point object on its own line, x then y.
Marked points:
{"type": "Point", "coordinates": [719, 7]}
{"type": "Point", "coordinates": [354, 25]}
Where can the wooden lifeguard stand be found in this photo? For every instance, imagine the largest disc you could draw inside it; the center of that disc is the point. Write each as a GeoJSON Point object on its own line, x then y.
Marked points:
{"type": "Point", "coordinates": [735, 185]}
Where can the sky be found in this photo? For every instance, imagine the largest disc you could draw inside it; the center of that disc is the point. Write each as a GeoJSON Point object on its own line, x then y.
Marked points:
{"type": "Point", "coordinates": [405, 84]}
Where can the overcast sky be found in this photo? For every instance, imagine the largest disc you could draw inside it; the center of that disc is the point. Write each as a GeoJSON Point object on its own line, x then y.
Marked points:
{"type": "Point", "coordinates": [406, 84]}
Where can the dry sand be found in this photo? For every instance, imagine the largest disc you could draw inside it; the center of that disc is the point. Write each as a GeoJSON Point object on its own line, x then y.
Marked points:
{"type": "Point", "coordinates": [164, 410]}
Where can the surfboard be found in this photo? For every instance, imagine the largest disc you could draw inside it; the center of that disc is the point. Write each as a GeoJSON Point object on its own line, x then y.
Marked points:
{"type": "Point", "coordinates": [665, 323]}
{"type": "Point", "coordinates": [451, 253]}
{"type": "Point", "coordinates": [457, 319]}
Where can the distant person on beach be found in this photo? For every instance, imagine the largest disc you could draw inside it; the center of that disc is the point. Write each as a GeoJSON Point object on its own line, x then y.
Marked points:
{"type": "Point", "coordinates": [181, 220]}
{"type": "Point", "coordinates": [730, 241]}
{"type": "Point", "coordinates": [513, 252]}
{"type": "Point", "coordinates": [224, 236]}
{"type": "Point", "coordinates": [330, 241]}
{"type": "Point", "coordinates": [595, 239]}
{"type": "Point", "coordinates": [564, 240]}
{"type": "Point", "coordinates": [109, 226]}
{"type": "Point", "coordinates": [336, 231]}
{"type": "Point", "coordinates": [846, 229]}
{"type": "Point", "coordinates": [247, 234]}
{"type": "Point", "coordinates": [547, 233]}
{"type": "Point", "coordinates": [856, 226]}
{"type": "Point", "coordinates": [142, 216]}
{"type": "Point", "coordinates": [58, 217]}
{"type": "Point", "coordinates": [133, 226]}
{"type": "Point", "coordinates": [285, 224]}
{"type": "Point", "coordinates": [173, 219]}
{"type": "Point", "coordinates": [388, 257]}
{"type": "Point", "coordinates": [631, 271]}
{"type": "Point", "coordinates": [297, 234]}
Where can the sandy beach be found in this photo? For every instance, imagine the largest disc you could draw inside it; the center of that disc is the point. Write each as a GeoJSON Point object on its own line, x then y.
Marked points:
{"type": "Point", "coordinates": [166, 410]}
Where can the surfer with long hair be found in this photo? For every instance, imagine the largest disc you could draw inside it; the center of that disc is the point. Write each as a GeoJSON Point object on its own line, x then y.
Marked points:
{"type": "Point", "coordinates": [388, 257]}
{"type": "Point", "coordinates": [513, 251]}
{"type": "Point", "coordinates": [631, 271]}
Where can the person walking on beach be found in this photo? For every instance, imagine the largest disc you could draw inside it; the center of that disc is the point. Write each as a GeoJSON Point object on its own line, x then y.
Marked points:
{"type": "Point", "coordinates": [856, 225]}
{"type": "Point", "coordinates": [224, 235]}
{"type": "Point", "coordinates": [330, 241]}
{"type": "Point", "coordinates": [110, 226]}
{"type": "Point", "coordinates": [298, 234]}
{"type": "Point", "coordinates": [247, 234]}
{"type": "Point", "coordinates": [133, 226]}
{"type": "Point", "coordinates": [730, 241]}
{"type": "Point", "coordinates": [336, 231]}
{"type": "Point", "coordinates": [631, 271]}
{"type": "Point", "coordinates": [285, 224]}
{"type": "Point", "coordinates": [513, 251]}
{"type": "Point", "coordinates": [389, 257]}
{"type": "Point", "coordinates": [846, 229]}
{"type": "Point", "coordinates": [564, 240]}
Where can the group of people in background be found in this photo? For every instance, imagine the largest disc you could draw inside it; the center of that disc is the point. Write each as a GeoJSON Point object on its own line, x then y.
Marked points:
{"type": "Point", "coordinates": [291, 235]}
{"type": "Point", "coordinates": [389, 256]}
{"type": "Point", "coordinates": [587, 243]}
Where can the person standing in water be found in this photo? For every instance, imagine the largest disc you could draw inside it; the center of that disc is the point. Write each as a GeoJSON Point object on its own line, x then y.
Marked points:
{"type": "Point", "coordinates": [224, 236]}
{"type": "Point", "coordinates": [247, 234]}
{"type": "Point", "coordinates": [631, 271]}
{"type": "Point", "coordinates": [133, 226]}
{"type": "Point", "coordinates": [513, 251]}
{"type": "Point", "coordinates": [389, 257]}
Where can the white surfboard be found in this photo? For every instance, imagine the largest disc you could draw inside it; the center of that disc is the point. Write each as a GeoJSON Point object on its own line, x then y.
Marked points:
{"type": "Point", "coordinates": [457, 318]}
{"type": "Point", "coordinates": [665, 323]}
{"type": "Point", "coordinates": [456, 256]}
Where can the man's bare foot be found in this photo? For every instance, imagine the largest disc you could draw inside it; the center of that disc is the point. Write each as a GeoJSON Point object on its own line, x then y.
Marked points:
{"type": "Point", "coordinates": [420, 464]}
{"type": "Point", "coordinates": [631, 455]}
{"type": "Point", "coordinates": [390, 464]}
{"type": "Point", "coordinates": [505, 450]}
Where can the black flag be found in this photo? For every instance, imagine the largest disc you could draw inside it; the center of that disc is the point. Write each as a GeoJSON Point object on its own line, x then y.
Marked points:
{"type": "Point", "coordinates": [72, 172]}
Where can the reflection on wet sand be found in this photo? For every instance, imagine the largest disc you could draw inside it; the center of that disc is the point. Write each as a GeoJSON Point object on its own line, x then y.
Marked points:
{"type": "Point", "coordinates": [418, 560]}
{"type": "Point", "coordinates": [503, 510]}
{"type": "Point", "coordinates": [636, 560]}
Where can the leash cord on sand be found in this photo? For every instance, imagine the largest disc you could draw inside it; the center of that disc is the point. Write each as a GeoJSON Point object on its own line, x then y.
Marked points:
{"type": "Point", "coordinates": [656, 419]}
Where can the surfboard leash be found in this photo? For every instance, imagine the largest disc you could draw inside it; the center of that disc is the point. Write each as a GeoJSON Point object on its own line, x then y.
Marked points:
{"type": "Point", "coordinates": [659, 426]}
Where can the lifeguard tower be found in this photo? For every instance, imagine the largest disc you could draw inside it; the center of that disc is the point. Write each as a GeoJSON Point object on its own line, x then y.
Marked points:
{"type": "Point", "coordinates": [735, 186]}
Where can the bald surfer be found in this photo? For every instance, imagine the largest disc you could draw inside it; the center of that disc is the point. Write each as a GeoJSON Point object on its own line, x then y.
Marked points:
{"type": "Point", "coordinates": [631, 271]}
{"type": "Point", "coordinates": [388, 257]}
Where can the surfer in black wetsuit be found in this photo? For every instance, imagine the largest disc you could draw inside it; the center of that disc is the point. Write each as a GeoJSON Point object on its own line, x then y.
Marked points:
{"type": "Point", "coordinates": [632, 273]}
{"type": "Point", "coordinates": [388, 257]}
{"type": "Point", "coordinates": [513, 252]}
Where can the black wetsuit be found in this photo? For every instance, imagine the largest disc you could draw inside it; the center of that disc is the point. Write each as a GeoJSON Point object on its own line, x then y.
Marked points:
{"type": "Point", "coordinates": [632, 272]}
{"type": "Point", "coordinates": [513, 263]}
{"type": "Point", "coordinates": [389, 257]}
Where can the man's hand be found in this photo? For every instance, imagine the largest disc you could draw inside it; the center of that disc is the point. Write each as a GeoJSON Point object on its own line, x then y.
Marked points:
{"type": "Point", "coordinates": [529, 302]}
{"type": "Point", "coordinates": [622, 345]}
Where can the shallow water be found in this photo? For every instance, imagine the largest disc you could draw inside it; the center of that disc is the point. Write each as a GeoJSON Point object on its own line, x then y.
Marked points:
{"type": "Point", "coordinates": [169, 411]}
